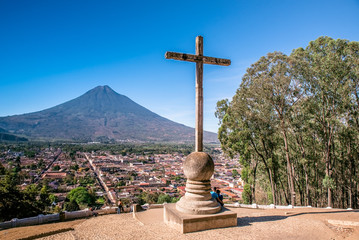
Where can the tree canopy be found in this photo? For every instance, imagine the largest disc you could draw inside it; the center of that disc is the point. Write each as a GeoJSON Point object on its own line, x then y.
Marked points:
{"type": "Point", "coordinates": [20, 204]}
{"type": "Point", "coordinates": [294, 124]}
{"type": "Point", "coordinates": [81, 196]}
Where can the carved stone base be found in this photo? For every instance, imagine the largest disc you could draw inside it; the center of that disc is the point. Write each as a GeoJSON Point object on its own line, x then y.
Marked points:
{"type": "Point", "coordinates": [198, 199]}
{"type": "Point", "coordinates": [186, 223]}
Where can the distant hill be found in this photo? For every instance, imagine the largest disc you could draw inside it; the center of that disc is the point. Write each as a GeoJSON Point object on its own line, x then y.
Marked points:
{"type": "Point", "coordinates": [5, 136]}
{"type": "Point", "coordinates": [12, 138]}
{"type": "Point", "coordinates": [100, 114]}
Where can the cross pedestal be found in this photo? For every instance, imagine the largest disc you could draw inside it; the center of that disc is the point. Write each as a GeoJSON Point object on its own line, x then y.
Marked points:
{"type": "Point", "coordinates": [197, 210]}
{"type": "Point", "coordinates": [186, 223]}
{"type": "Point", "coordinates": [198, 169]}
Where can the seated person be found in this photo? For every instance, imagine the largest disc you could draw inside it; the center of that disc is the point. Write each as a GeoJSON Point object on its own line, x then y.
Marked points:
{"type": "Point", "coordinates": [220, 196]}
{"type": "Point", "coordinates": [215, 196]}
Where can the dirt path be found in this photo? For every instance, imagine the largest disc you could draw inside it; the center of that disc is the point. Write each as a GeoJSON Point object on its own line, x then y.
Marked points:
{"type": "Point", "coordinates": [273, 224]}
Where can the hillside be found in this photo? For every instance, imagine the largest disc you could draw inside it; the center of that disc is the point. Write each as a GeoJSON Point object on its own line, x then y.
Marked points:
{"type": "Point", "coordinates": [10, 137]}
{"type": "Point", "coordinates": [5, 136]}
{"type": "Point", "coordinates": [100, 114]}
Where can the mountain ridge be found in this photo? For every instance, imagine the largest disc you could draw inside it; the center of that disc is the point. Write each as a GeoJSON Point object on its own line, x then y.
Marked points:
{"type": "Point", "coordinates": [100, 114]}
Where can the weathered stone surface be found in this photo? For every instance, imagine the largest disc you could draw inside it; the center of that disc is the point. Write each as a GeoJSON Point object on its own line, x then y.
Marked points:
{"type": "Point", "coordinates": [186, 223]}
{"type": "Point", "coordinates": [198, 199]}
{"type": "Point", "coordinates": [198, 166]}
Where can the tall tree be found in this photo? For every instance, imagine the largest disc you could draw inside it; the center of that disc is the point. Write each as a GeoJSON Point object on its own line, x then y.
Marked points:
{"type": "Point", "coordinates": [323, 66]}
{"type": "Point", "coordinates": [295, 119]}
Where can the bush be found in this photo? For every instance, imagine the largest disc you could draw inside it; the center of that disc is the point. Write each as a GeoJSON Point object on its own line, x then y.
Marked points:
{"type": "Point", "coordinates": [81, 196]}
{"type": "Point", "coordinates": [162, 198]}
{"type": "Point", "coordinates": [72, 206]}
{"type": "Point", "coordinates": [247, 194]}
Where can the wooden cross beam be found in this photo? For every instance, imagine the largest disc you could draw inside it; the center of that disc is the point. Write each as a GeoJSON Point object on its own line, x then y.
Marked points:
{"type": "Point", "coordinates": [199, 59]}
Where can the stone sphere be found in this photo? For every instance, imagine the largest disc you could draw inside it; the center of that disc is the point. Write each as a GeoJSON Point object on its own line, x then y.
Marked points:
{"type": "Point", "coordinates": [198, 166]}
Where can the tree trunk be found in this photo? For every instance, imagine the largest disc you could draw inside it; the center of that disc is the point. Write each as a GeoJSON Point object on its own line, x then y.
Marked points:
{"type": "Point", "coordinates": [328, 163]}
{"type": "Point", "coordinates": [328, 173]}
{"type": "Point", "coordinates": [285, 195]}
{"type": "Point", "coordinates": [254, 182]}
{"type": "Point", "coordinates": [266, 166]}
{"type": "Point", "coordinates": [307, 191]}
{"type": "Point", "coordinates": [289, 168]}
{"type": "Point", "coordinates": [316, 185]}
{"type": "Point", "coordinates": [308, 201]}
{"type": "Point", "coordinates": [352, 176]}
{"type": "Point", "coordinates": [272, 186]}
{"type": "Point", "coordinates": [355, 204]}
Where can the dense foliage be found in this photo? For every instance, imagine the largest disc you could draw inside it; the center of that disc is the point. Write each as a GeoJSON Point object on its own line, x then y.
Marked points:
{"type": "Point", "coordinates": [30, 148]}
{"type": "Point", "coordinates": [15, 203]}
{"type": "Point", "coordinates": [158, 198]}
{"type": "Point", "coordinates": [294, 123]}
{"type": "Point", "coordinates": [82, 196]}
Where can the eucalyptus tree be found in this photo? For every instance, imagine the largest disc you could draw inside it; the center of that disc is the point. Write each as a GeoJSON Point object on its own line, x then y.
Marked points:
{"type": "Point", "coordinates": [297, 117]}
{"type": "Point", "coordinates": [323, 67]}
{"type": "Point", "coordinates": [352, 123]}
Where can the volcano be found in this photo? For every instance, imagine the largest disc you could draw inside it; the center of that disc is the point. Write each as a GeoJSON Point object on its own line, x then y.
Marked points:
{"type": "Point", "coordinates": [100, 114]}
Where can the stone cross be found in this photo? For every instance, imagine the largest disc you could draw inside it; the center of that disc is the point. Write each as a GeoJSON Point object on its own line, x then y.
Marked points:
{"type": "Point", "coordinates": [199, 59]}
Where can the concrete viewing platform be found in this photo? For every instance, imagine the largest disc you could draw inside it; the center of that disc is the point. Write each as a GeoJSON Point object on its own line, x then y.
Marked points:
{"type": "Point", "coordinates": [297, 223]}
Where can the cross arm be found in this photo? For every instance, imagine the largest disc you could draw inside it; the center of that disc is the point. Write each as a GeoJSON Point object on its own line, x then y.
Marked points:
{"type": "Point", "coordinates": [196, 58]}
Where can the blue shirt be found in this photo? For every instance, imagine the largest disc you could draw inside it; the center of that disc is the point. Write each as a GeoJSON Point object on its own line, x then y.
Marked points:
{"type": "Point", "coordinates": [214, 195]}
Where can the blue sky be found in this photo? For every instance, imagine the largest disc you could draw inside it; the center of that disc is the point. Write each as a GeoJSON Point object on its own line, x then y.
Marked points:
{"type": "Point", "coordinates": [54, 51]}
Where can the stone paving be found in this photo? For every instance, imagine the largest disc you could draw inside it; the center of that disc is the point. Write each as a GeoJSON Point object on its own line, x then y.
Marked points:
{"type": "Point", "coordinates": [273, 224]}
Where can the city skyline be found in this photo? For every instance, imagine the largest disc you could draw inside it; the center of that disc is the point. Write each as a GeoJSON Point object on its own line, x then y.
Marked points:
{"type": "Point", "coordinates": [52, 52]}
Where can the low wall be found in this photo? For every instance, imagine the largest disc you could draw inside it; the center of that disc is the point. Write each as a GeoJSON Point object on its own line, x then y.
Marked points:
{"type": "Point", "coordinates": [151, 206]}
{"type": "Point", "coordinates": [78, 214]}
{"type": "Point", "coordinates": [106, 210]}
{"type": "Point", "coordinates": [30, 221]}
{"type": "Point", "coordinates": [40, 219]}
{"type": "Point", "coordinates": [271, 206]}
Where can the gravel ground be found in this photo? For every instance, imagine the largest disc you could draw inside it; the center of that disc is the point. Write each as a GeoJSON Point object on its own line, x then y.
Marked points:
{"type": "Point", "coordinates": [273, 224]}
